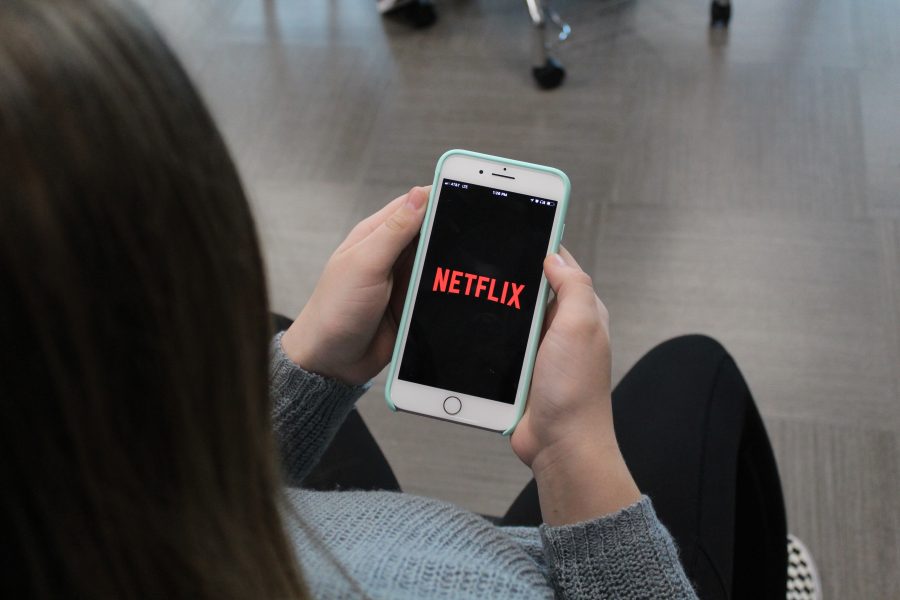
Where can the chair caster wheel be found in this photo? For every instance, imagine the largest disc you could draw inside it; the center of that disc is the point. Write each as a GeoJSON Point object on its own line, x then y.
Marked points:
{"type": "Point", "coordinates": [549, 75]}
{"type": "Point", "coordinates": [420, 14]}
{"type": "Point", "coordinates": [719, 14]}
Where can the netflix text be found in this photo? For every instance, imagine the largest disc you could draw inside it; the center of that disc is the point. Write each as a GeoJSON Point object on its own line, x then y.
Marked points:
{"type": "Point", "coordinates": [479, 286]}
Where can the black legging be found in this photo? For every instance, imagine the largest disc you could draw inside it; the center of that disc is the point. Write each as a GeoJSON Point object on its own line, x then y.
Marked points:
{"type": "Point", "coordinates": [694, 442]}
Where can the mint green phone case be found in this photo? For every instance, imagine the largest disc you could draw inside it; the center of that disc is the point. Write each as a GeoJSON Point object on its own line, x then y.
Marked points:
{"type": "Point", "coordinates": [542, 299]}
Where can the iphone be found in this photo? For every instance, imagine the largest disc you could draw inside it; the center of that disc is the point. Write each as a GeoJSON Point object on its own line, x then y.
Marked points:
{"type": "Point", "coordinates": [472, 320]}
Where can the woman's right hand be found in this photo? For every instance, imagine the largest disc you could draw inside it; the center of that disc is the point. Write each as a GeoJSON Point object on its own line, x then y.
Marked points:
{"type": "Point", "coordinates": [566, 435]}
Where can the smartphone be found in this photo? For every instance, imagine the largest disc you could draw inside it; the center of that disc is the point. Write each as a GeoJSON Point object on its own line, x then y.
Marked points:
{"type": "Point", "coordinates": [475, 305]}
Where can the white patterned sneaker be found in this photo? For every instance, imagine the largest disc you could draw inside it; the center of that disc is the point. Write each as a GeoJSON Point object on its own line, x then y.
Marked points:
{"type": "Point", "coordinates": [803, 578]}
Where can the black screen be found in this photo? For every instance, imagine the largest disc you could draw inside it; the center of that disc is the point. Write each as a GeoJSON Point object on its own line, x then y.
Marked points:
{"type": "Point", "coordinates": [478, 289]}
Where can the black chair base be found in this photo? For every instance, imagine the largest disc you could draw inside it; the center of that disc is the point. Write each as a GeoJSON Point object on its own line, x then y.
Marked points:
{"type": "Point", "coordinates": [550, 75]}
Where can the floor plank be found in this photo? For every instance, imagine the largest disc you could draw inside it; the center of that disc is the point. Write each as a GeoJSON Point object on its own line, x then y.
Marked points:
{"type": "Point", "coordinates": [841, 489]}
{"type": "Point", "coordinates": [800, 302]}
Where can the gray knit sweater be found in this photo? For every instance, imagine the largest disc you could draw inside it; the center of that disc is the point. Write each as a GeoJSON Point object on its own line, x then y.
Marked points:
{"type": "Point", "coordinates": [391, 545]}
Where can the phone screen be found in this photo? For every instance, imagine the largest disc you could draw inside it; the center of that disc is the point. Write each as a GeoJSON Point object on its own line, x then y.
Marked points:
{"type": "Point", "coordinates": [478, 289]}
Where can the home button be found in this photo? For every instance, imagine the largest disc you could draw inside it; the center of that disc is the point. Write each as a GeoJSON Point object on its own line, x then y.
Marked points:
{"type": "Point", "coordinates": [452, 405]}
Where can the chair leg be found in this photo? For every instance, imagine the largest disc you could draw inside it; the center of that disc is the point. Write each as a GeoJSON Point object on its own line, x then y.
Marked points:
{"type": "Point", "coordinates": [547, 71]}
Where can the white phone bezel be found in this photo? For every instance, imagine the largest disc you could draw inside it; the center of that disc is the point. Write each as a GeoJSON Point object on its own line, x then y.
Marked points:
{"type": "Point", "coordinates": [476, 411]}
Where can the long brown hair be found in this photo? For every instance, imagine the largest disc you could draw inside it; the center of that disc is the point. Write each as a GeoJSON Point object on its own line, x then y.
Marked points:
{"type": "Point", "coordinates": [136, 454]}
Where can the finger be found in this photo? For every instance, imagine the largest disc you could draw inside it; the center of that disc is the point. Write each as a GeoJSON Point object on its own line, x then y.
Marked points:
{"type": "Point", "coordinates": [383, 246]}
{"type": "Point", "coordinates": [567, 256]}
{"type": "Point", "coordinates": [552, 308]}
{"type": "Point", "coordinates": [383, 343]}
{"type": "Point", "coordinates": [567, 279]}
{"type": "Point", "coordinates": [365, 227]}
{"type": "Point", "coordinates": [402, 275]}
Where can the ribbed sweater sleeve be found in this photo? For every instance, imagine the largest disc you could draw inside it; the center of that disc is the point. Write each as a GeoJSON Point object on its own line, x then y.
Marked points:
{"type": "Point", "coordinates": [628, 554]}
{"type": "Point", "coordinates": [307, 411]}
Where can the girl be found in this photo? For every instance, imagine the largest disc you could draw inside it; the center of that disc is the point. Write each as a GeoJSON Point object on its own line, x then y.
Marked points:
{"type": "Point", "coordinates": [139, 380]}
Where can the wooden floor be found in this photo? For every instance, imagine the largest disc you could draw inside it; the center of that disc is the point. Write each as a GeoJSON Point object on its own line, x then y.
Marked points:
{"type": "Point", "coordinates": [743, 185]}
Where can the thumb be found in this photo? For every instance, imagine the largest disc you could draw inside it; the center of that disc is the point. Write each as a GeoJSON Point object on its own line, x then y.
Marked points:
{"type": "Point", "coordinates": [384, 245]}
{"type": "Point", "coordinates": [566, 278]}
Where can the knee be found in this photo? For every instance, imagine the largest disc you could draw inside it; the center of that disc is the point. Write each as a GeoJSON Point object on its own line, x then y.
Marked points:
{"type": "Point", "coordinates": [695, 342]}
{"type": "Point", "coordinates": [695, 349]}
{"type": "Point", "coordinates": [697, 365]}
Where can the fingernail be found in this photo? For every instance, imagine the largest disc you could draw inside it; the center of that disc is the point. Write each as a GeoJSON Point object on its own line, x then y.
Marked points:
{"type": "Point", "coordinates": [415, 199]}
{"type": "Point", "coordinates": [559, 260]}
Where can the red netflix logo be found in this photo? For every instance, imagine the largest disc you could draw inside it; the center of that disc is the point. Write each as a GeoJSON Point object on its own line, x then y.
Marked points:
{"type": "Point", "coordinates": [452, 282]}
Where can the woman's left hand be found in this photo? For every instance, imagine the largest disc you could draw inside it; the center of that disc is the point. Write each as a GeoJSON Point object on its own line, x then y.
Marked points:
{"type": "Point", "coordinates": [347, 329]}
